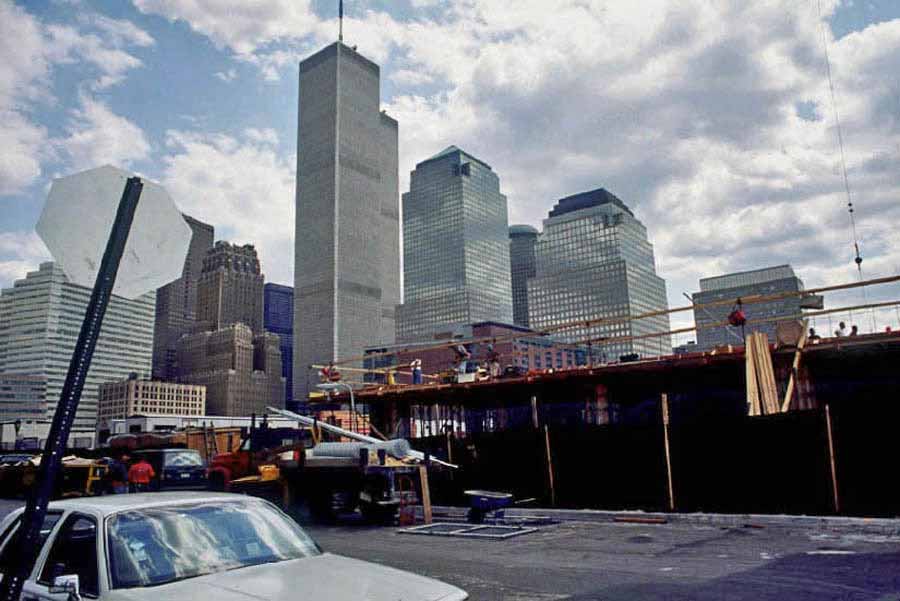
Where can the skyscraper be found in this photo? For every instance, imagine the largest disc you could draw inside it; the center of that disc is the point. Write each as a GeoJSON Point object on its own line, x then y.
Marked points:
{"type": "Point", "coordinates": [278, 318]}
{"type": "Point", "coordinates": [40, 318]}
{"type": "Point", "coordinates": [455, 247]}
{"type": "Point", "coordinates": [594, 260]}
{"type": "Point", "coordinates": [230, 289]}
{"type": "Point", "coordinates": [229, 352]}
{"type": "Point", "coordinates": [176, 302]}
{"type": "Point", "coordinates": [522, 239]}
{"type": "Point", "coordinates": [347, 242]}
{"type": "Point", "coordinates": [765, 281]}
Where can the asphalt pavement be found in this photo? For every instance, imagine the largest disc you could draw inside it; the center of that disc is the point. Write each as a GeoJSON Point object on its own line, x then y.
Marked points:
{"type": "Point", "coordinates": [611, 561]}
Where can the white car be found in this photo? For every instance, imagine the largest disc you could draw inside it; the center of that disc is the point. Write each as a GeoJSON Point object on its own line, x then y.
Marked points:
{"type": "Point", "coordinates": [197, 546]}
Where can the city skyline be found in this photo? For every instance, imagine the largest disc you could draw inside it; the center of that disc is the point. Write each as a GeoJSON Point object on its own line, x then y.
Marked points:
{"type": "Point", "coordinates": [244, 110]}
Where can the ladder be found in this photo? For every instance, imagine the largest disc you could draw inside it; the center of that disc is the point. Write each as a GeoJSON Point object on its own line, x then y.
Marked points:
{"type": "Point", "coordinates": [209, 439]}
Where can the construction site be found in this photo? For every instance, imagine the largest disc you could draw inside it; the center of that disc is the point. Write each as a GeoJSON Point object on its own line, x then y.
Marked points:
{"type": "Point", "coordinates": [792, 425]}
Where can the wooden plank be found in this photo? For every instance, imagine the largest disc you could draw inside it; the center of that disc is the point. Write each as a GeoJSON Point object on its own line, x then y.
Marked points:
{"type": "Point", "coordinates": [664, 400]}
{"type": "Point", "coordinates": [834, 482]}
{"type": "Point", "coordinates": [753, 407]}
{"type": "Point", "coordinates": [639, 520]}
{"type": "Point", "coordinates": [766, 374]}
{"type": "Point", "coordinates": [789, 392]}
{"type": "Point", "coordinates": [550, 467]}
{"type": "Point", "coordinates": [426, 494]}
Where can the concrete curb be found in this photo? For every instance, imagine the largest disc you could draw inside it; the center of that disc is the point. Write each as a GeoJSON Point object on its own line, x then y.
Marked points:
{"type": "Point", "coordinates": [836, 524]}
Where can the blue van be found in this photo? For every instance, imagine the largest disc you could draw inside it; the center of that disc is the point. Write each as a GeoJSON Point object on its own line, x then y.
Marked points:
{"type": "Point", "coordinates": [176, 469]}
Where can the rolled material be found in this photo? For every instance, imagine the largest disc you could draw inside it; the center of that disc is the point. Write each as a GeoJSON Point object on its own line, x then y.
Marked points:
{"type": "Point", "coordinates": [398, 448]}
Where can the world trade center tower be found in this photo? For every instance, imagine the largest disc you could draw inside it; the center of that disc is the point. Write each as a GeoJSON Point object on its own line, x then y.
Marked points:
{"type": "Point", "coordinates": [347, 239]}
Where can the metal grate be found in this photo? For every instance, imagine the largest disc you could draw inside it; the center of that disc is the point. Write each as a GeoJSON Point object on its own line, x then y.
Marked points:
{"type": "Point", "coordinates": [469, 531]}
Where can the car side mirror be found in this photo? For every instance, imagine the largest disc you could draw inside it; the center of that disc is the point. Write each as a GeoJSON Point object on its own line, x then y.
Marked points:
{"type": "Point", "coordinates": [67, 583]}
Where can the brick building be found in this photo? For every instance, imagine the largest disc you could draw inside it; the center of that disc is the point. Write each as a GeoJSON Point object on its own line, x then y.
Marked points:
{"type": "Point", "coordinates": [528, 351]}
{"type": "Point", "coordinates": [137, 396]}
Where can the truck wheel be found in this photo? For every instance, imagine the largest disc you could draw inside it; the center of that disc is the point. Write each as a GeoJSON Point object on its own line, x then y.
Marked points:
{"type": "Point", "coordinates": [378, 514]}
{"type": "Point", "coordinates": [321, 506]}
{"type": "Point", "coordinates": [217, 482]}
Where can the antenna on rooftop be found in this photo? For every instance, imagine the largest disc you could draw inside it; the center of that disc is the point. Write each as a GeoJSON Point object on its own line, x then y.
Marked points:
{"type": "Point", "coordinates": [340, 20]}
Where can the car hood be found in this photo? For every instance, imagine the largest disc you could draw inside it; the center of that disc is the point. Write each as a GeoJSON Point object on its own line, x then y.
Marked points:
{"type": "Point", "coordinates": [325, 576]}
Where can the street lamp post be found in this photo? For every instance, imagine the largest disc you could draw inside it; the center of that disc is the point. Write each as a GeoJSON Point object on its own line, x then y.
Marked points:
{"type": "Point", "coordinates": [336, 386]}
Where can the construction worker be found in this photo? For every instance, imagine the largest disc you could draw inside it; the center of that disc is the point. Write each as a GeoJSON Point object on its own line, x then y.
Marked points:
{"type": "Point", "coordinates": [493, 358]}
{"type": "Point", "coordinates": [330, 373]}
{"type": "Point", "coordinates": [854, 331]}
{"type": "Point", "coordinates": [140, 475]}
{"type": "Point", "coordinates": [416, 366]}
{"type": "Point", "coordinates": [841, 331]}
{"type": "Point", "coordinates": [462, 358]}
{"type": "Point", "coordinates": [117, 475]}
{"type": "Point", "coordinates": [813, 337]}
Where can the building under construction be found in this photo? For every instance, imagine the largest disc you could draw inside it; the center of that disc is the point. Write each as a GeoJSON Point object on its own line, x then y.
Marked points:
{"type": "Point", "coordinates": [789, 425]}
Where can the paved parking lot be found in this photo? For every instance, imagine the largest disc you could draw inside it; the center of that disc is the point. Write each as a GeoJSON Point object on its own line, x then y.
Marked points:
{"type": "Point", "coordinates": [627, 561]}
{"type": "Point", "coordinates": [609, 561]}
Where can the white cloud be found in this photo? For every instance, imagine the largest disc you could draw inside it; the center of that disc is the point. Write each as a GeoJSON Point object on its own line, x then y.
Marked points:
{"type": "Point", "coordinates": [97, 136]}
{"type": "Point", "coordinates": [20, 252]}
{"type": "Point", "coordinates": [69, 45]}
{"type": "Point", "coordinates": [686, 109]}
{"type": "Point", "coordinates": [237, 24]}
{"type": "Point", "coordinates": [120, 31]}
{"type": "Point", "coordinates": [226, 76]}
{"type": "Point", "coordinates": [31, 50]}
{"type": "Point", "coordinates": [23, 72]}
{"type": "Point", "coordinates": [262, 136]}
{"type": "Point", "coordinates": [242, 186]}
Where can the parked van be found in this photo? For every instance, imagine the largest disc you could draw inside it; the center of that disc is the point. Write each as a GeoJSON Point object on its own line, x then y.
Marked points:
{"type": "Point", "coordinates": [176, 469]}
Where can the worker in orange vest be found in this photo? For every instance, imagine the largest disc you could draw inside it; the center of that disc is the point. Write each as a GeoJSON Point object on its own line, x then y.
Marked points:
{"type": "Point", "coordinates": [140, 475]}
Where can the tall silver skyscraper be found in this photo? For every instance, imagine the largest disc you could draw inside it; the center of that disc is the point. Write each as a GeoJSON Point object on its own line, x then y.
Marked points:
{"type": "Point", "coordinates": [455, 247]}
{"type": "Point", "coordinates": [594, 260]}
{"type": "Point", "coordinates": [347, 243]}
{"type": "Point", "coordinates": [522, 239]}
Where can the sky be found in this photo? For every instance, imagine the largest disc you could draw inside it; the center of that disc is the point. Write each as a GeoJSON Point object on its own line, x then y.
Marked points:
{"type": "Point", "coordinates": [712, 119]}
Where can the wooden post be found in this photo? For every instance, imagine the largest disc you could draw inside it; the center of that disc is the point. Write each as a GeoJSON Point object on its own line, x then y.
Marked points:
{"type": "Point", "coordinates": [550, 466]}
{"type": "Point", "coordinates": [664, 400]}
{"type": "Point", "coordinates": [834, 481]}
{"type": "Point", "coordinates": [789, 393]}
{"type": "Point", "coordinates": [426, 494]}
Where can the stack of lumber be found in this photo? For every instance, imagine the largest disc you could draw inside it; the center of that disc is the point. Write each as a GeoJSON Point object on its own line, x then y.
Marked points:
{"type": "Point", "coordinates": [762, 391]}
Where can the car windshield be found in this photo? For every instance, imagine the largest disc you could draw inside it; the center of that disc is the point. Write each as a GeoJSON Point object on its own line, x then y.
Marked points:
{"type": "Point", "coordinates": [154, 546]}
{"type": "Point", "coordinates": [182, 459]}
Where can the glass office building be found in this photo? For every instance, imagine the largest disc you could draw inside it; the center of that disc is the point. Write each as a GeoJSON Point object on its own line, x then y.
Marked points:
{"type": "Point", "coordinates": [593, 260]}
{"type": "Point", "coordinates": [347, 237]}
{"type": "Point", "coordinates": [278, 318]}
{"type": "Point", "coordinates": [455, 247]}
{"type": "Point", "coordinates": [40, 319]}
{"type": "Point", "coordinates": [522, 239]}
{"type": "Point", "coordinates": [732, 286]}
